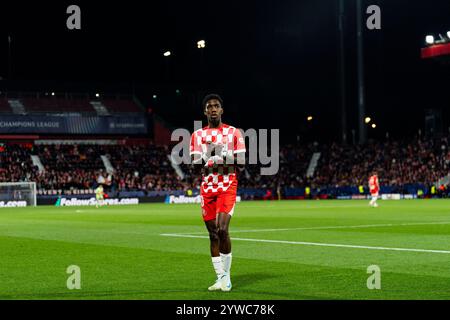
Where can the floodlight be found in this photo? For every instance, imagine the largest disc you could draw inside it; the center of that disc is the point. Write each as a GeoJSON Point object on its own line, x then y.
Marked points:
{"type": "Point", "coordinates": [201, 44]}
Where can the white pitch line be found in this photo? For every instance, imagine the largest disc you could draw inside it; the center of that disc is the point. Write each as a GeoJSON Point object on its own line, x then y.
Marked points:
{"type": "Point", "coordinates": [313, 244]}
{"type": "Point", "coordinates": [332, 227]}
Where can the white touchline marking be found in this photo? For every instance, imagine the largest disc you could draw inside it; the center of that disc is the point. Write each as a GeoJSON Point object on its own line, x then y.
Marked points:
{"type": "Point", "coordinates": [334, 227]}
{"type": "Point", "coordinates": [313, 244]}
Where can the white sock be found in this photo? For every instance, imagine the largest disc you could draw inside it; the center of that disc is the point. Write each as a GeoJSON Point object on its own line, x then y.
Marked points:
{"type": "Point", "coordinates": [226, 261]}
{"type": "Point", "coordinates": [218, 266]}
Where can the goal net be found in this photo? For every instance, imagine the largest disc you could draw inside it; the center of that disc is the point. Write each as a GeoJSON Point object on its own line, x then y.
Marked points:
{"type": "Point", "coordinates": [17, 194]}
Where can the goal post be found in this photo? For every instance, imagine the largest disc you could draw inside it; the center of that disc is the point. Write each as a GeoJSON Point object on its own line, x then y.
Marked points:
{"type": "Point", "coordinates": [17, 194]}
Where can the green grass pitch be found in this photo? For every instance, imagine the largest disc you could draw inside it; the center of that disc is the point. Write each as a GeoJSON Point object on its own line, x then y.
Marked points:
{"type": "Point", "coordinates": [281, 250]}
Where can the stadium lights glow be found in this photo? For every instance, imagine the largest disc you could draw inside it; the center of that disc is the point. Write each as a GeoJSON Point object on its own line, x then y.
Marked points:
{"type": "Point", "coordinates": [374, 125]}
{"type": "Point", "coordinates": [309, 118]}
{"type": "Point", "coordinates": [155, 96]}
{"type": "Point", "coordinates": [201, 44]}
{"type": "Point", "coordinates": [53, 93]}
{"type": "Point", "coordinates": [367, 120]}
{"type": "Point", "coordinates": [448, 34]}
{"type": "Point", "coordinates": [167, 53]}
{"type": "Point", "coordinates": [429, 39]}
{"type": "Point", "coordinates": [97, 95]}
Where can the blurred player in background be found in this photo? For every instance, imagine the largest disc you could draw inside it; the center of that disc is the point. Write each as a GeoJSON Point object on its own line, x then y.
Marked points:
{"type": "Point", "coordinates": [218, 149]}
{"type": "Point", "coordinates": [99, 195]}
{"type": "Point", "coordinates": [374, 188]}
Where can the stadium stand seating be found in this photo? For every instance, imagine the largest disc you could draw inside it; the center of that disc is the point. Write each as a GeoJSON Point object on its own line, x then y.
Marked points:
{"type": "Point", "coordinates": [121, 105]}
{"type": "Point", "coordinates": [146, 167]}
{"type": "Point", "coordinates": [4, 106]}
{"type": "Point", "coordinates": [16, 164]}
{"type": "Point", "coordinates": [52, 104]}
{"type": "Point", "coordinates": [34, 103]}
{"type": "Point", "coordinates": [397, 162]}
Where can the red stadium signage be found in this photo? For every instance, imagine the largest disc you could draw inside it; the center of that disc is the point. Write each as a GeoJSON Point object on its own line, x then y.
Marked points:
{"type": "Point", "coordinates": [435, 51]}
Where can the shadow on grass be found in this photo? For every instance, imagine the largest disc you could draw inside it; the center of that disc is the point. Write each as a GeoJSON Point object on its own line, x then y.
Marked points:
{"type": "Point", "coordinates": [92, 295]}
{"type": "Point", "coordinates": [247, 279]}
{"type": "Point", "coordinates": [243, 287]}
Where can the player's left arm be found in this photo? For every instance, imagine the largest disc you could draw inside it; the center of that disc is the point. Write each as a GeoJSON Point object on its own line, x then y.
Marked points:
{"type": "Point", "coordinates": [236, 156]}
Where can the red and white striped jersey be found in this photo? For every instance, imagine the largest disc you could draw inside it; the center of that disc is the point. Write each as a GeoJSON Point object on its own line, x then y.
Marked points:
{"type": "Point", "coordinates": [220, 177]}
{"type": "Point", "coordinates": [373, 184]}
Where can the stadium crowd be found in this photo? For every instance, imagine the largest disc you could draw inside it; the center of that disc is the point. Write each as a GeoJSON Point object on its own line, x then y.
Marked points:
{"type": "Point", "coordinates": [148, 168]}
{"type": "Point", "coordinates": [421, 161]}
{"type": "Point", "coordinates": [16, 164]}
{"type": "Point", "coordinates": [79, 167]}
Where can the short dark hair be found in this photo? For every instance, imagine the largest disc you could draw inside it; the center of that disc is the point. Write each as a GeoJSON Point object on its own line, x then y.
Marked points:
{"type": "Point", "coordinates": [210, 97]}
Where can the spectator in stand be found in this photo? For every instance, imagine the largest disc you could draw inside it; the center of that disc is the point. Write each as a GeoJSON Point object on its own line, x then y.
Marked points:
{"type": "Point", "coordinates": [72, 168]}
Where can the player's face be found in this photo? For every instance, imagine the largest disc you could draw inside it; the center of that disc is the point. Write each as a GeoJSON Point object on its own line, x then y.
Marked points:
{"type": "Point", "coordinates": [213, 110]}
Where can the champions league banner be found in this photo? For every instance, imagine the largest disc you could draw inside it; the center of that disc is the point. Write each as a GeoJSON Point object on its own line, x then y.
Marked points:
{"type": "Point", "coordinates": [73, 124]}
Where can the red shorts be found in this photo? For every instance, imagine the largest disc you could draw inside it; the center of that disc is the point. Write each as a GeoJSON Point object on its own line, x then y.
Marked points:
{"type": "Point", "coordinates": [218, 202]}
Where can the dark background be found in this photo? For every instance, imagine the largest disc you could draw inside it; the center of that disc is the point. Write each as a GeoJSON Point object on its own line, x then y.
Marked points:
{"type": "Point", "coordinates": [274, 62]}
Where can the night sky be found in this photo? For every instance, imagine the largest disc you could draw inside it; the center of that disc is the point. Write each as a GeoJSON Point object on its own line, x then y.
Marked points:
{"type": "Point", "coordinates": [275, 62]}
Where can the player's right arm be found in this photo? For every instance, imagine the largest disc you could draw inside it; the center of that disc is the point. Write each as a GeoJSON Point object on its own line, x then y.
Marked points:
{"type": "Point", "coordinates": [196, 153]}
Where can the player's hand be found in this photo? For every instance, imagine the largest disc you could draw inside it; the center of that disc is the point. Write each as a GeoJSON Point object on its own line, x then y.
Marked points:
{"type": "Point", "coordinates": [217, 147]}
{"type": "Point", "coordinates": [213, 160]}
{"type": "Point", "coordinates": [228, 156]}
